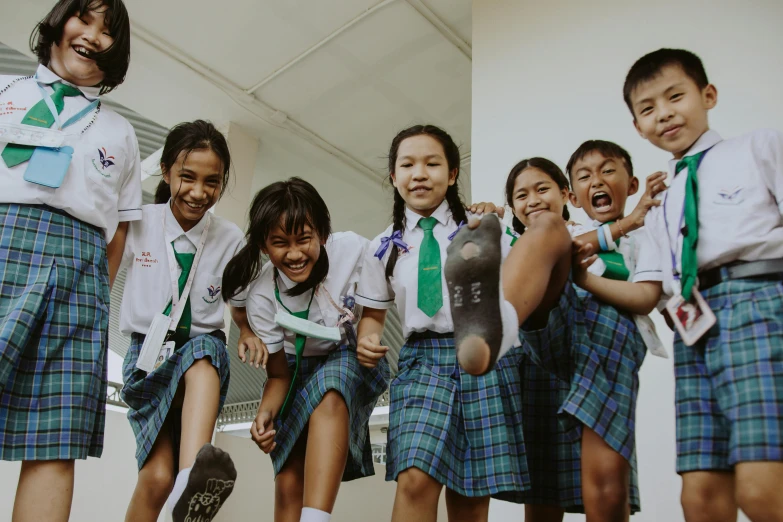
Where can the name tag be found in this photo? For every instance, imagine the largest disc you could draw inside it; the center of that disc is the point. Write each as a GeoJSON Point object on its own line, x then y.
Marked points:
{"type": "Point", "coordinates": [692, 318]}
{"type": "Point", "coordinates": [307, 328]}
{"type": "Point", "coordinates": [28, 135]}
{"type": "Point", "coordinates": [153, 343]}
{"type": "Point", "coordinates": [48, 167]}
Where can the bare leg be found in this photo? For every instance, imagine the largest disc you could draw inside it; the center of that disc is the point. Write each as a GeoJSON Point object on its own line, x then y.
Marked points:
{"type": "Point", "coordinates": [708, 496]}
{"type": "Point", "coordinates": [45, 491]}
{"type": "Point", "coordinates": [543, 513]}
{"type": "Point", "coordinates": [289, 484]}
{"type": "Point", "coordinates": [199, 409]}
{"type": "Point", "coordinates": [155, 481]}
{"type": "Point", "coordinates": [758, 490]}
{"type": "Point", "coordinates": [466, 509]}
{"type": "Point", "coordinates": [327, 452]}
{"type": "Point", "coordinates": [417, 497]}
{"type": "Point", "coordinates": [606, 478]}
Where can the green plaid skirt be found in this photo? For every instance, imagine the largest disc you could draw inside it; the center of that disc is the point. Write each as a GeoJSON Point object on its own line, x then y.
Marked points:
{"type": "Point", "coordinates": [463, 431]}
{"type": "Point", "coordinates": [359, 386]}
{"type": "Point", "coordinates": [599, 351]}
{"type": "Point", "coordinates": [54, 317]}
{"type": "Point", "coordinates": [729, 385]}
{"type": "Point", "coordinates": [149, 395]}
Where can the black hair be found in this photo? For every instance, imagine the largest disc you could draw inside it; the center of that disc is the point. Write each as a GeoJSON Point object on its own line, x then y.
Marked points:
{"type": "Point", "coordinates": [548, 168]}
{"type": "Point", "coordinates": [301, 205]}
{"type": "Point", "coordinates": [650, 66]}
{"type": "Point", "coordinates": [451, 150]}
{"type": "Point", "coordinates": [607, 149]}
{"type": "Point", "coordinates": [113, 61]}
{"type": "Point", "coordinates": [187, 137]}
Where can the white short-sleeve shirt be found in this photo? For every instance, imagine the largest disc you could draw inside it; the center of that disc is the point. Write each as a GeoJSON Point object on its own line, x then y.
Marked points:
{"type": "Point", "coordinates": [740, 203]}
{"type": "Point", "coordinates": [402, 288]}
{"type": "Point", "coordinates": [103, 183]}
{"type": "Point", "coordinates": [148, 281]}
{"type": "Point", "coordinates": [346, 257]}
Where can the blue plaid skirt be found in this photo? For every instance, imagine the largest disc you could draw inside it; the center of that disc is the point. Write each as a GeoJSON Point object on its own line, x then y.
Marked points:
{"type": "Point", "coordinates": [149, 395]}
{"type": "Point", "coordinates": [359, 386]}
{"type": "Point", "coordinates": [599, 351]}
{"type": "Point", "coordinates": [463, 431]}
{"type": "Point", "coordinates": [54, 319]}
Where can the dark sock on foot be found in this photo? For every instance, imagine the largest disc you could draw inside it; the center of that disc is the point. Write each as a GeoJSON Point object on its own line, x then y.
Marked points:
{"type": "Point", "coordinates": [210, 483]}
{"type": "Point", "coordinates": [473, 278]}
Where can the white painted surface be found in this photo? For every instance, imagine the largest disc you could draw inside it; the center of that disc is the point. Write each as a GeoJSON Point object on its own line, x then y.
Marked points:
{"type": "Point", "coordinates": [549, 75]}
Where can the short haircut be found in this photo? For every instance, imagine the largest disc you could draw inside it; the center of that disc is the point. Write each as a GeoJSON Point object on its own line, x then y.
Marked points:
{"type": "Point", "coordinates": [113, 61]}
{"type": "Point", "coordinates": [606, 148]}
{"type": "Point", "coordinates": [650, 65]}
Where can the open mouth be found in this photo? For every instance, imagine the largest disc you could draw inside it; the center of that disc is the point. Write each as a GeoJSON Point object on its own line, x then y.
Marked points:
{"type": "Point", "coordinates": [536, 212]}
{"type": "Point", "coordinates": [83, 51]}
{"type": "Point", "coordinates": [194, 206]}
{"type": "Point", "coordinates": [601, 202]}
{"type": "Point", "coordinates": [296, 268]}
{"type": "Point", "coordinates": [419, 190]}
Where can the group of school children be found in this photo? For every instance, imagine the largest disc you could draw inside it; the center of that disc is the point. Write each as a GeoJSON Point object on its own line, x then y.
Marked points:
{"type": "Point", "coordinates": [519, 376]}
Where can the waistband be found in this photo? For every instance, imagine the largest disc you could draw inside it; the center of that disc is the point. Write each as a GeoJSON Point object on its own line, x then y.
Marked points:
{"type": "Point", "coordinates": [765, 270]}
{"type": "Point", "coordinates": [428, 334]}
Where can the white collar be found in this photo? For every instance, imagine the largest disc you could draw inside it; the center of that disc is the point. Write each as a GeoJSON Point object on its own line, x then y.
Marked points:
{"type": "Point", "coordinates": [442, 214]}
{"type": "Point", "coordinates": [46, 76]}
{"type": "Point", "coordinates": [174, 230]}
{"type": "Point", "coordinates": [705, 141]}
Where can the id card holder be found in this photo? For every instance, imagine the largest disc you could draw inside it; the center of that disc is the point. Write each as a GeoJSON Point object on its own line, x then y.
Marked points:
{"type": "Point", "coordinates": [153, 342]}
{"type": "Point", "coordinates": [691, 318]}
{"type": "Point", "coordinates": [48, 166]}
{"type": "Point", "coordinates": [166, 351]}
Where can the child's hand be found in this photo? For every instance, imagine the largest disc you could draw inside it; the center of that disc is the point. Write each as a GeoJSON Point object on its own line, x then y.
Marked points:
{"type": "Point", "coordinates": [370, 351]}
{"type": "Point", "coordinates": [582, 257]}
{"type": "Point", "coordinates": [655, 186]}
{"type": "Point", "coordinates": [258, 355]}
{"type": "Point", "coordinates": [261, 431]}
{"type": "Point", "coordinates": [487, 208]}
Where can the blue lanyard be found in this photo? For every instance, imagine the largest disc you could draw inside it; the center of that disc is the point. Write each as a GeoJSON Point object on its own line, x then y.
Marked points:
{"type": "Point", "coordinates": [673, 251]}
{"type": "Point", "coordinates": [76, 117]}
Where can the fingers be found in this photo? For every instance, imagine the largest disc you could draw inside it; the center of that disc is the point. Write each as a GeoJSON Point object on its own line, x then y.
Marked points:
{"type": "Point", "coordinates": [655, 183]}
{"type": "Point", "coordinates": [369, 350]}
{"type": "Point", "coordinates": [588, 261]}
{"type": "Point", "coordinates": [241, 351]}
{"type": "Point", "coordinates": [500, 212]}
{"type": "Point", "coordinates": [473, 222]}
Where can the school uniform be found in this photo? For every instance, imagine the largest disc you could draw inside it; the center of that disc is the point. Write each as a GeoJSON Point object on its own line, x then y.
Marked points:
{"type": "Point", "coordinates": [54, 279]}
{"type": "Point", "coordinates": [325, 365]}
{"type": "Point", "coordinates": [148, 291]}
{"type": "Point", "coordinates": [729, 385]}
{"type": "Point", "coordinates": [463, 431]}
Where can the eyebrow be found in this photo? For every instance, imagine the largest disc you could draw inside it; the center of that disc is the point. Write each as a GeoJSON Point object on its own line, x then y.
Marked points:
{"type": "Point", "coordinates": [428, 157]}
{"type": "Point", "coordinates": [678, 85]}
{"type": "Point", "coordinates": [535, 185]}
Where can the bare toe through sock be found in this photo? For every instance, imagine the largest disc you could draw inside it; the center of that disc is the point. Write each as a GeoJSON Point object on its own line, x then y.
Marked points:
{"type": "Point", "coordinates": [210, 482]}
{"type": "Point", "coordinates": [473, 278]}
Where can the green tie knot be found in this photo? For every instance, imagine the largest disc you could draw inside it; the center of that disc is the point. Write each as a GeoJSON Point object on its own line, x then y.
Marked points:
{"type": "Point", "coordinates": [62, 90]}
{"type": "Point", "coordinates": [428, 223]}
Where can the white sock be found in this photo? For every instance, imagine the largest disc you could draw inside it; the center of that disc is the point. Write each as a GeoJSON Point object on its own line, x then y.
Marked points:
{"type": "Point", "coordinates": [314, 515]}
{"type": "Point", "coordinates": [510, 320]}
{"type": "Point", "coordinates": [179, 488]}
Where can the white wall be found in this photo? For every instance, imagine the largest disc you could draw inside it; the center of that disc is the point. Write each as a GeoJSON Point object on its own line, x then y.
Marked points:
{"type": "Point", "coordinates": [549, 75]}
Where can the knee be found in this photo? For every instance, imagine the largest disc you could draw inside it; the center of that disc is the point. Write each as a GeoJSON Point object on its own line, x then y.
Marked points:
{"type": "Point", "coordinates": [416, 486]}
{"type": "Point", "coordinates": [607, 492]}
{"type": "Point", "coordinates": [759, 501]}
{"type": "Point", "coordinates": [289, 488]}
{"type": "Point", "coordinates": [158, 481]}
{"type": "Point", "coordinates": [702, 503]}
{"type": "Point", "coordinates": [332, 405]}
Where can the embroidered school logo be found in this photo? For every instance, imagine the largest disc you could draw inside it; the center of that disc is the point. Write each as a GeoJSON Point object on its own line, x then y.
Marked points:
{"type": "Point", "coordinates": [106, 160]}
{"type": "Point", "coordinates": [731, 196]}
{"type": "Point", "coordinates": [214, 292]}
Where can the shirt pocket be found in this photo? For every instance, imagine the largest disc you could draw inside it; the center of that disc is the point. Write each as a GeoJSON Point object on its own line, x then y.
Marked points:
{"type": "Point", "coordinates": [729, 196]}
{"type": "Point", "coordinates": [104, 167]}
{"type": "Point", "coordinates": [206, 298]}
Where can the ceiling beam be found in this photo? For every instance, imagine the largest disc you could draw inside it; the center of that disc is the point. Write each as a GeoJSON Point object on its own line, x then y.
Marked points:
{"type": "Point", "coordinates": [280, 70]}
{"type": "Point", "coordinates": [251, 103]}
{"type": "Point", "coordinates": [442, 27]}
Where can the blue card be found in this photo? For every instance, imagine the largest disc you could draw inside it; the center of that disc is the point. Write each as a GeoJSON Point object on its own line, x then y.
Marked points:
{"type": "Point", "coordinates": [48, 166]}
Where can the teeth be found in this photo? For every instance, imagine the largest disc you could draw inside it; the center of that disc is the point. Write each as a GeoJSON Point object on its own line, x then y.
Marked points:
{"type": "Point", "coordinates": [191, 205]}
{"type": "Point", "coordinates": [297, 267]}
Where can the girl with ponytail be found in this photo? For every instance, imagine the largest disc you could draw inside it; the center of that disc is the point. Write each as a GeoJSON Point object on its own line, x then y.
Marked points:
{"type": "Point", "coordinates": [318, 399]}
{"type": "Point", "coordinates": [446, 427]}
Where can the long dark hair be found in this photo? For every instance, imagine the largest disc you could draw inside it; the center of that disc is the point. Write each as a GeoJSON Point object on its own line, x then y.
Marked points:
{"type": "Point", "coordinates": [301, 205]}
{"type": "Point", "coordinates": [187, 137]}
{"type": "Point", "coordinates": [451, 150]}
{"type": "Point", "coordinates": [113, 61]}
{"type": "Point", "coordinates": [544, 165]}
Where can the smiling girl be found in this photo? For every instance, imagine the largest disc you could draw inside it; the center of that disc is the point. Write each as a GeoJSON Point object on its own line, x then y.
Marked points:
{"type": "Point", "coordinates": [180, 249]}
{"type": "Point", "coordinates": [66, 197]}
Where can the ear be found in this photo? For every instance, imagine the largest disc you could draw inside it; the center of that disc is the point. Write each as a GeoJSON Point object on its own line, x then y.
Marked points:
{"type": "Point", "coordinates": [453, 176]}
{"type": "Point", "coordinates": [633, 186]}
{"type": "Point", "coordinates": [710, 96]}
{"type": "Point", "coordinates": [393, 177]}
{"type": "Point", "coordinates": [574, 202]}
{"type": "Point", "coordinates": [638, 129]}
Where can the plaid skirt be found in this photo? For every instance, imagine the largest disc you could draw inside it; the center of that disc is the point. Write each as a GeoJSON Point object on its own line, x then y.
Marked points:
{"type": "Point", "coordinates": [463, 431]}
{"type": "Point", "coordinates": [149, 395]}
{"type": "Point", "coordinates": [360, 387]}
{"type": "Point", "coordinates": [729, 385]}
{"type": "Point", "coordinates": [599, 351]}
{"type": "Point", "coordinates": [54, 318]}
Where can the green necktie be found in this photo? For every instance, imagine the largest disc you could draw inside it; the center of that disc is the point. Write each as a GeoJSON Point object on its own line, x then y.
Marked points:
{"type": "Point", "coordinates": [690, 234]}
{"type": "Point", "coordinates": [430, 287]}
{"type": "Point", "coordinates": [38, 116]}
{"type": "Point", "coordinates": [182, 334]}
{"type": "Point", "coordinates": [615, 263]}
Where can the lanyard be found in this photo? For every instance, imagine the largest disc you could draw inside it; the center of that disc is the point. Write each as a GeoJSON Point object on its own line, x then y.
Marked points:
{"type": "Point", "coordinates": [673, 251]}
{"type": "Point", "coordinates": [76, 117]}
{"type": "Point", "coordinates": [176, 298]}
